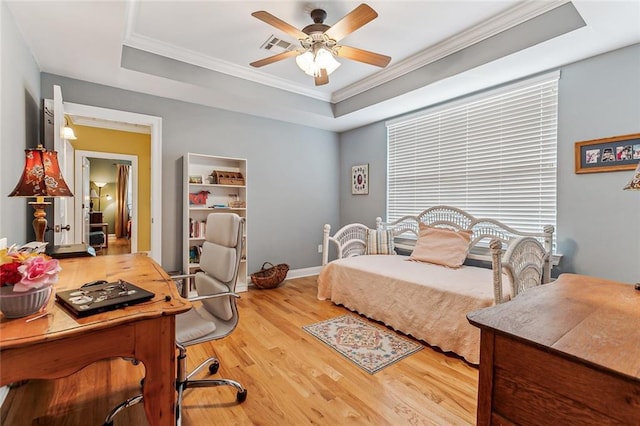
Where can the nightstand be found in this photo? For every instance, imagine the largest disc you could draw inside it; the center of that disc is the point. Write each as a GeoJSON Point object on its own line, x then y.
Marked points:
{"type": "Point", "coordinates": [95, 217]}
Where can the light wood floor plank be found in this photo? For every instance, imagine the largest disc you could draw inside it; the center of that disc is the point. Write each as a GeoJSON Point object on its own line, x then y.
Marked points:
{"type": "Point", "coordinates": [292, 378]}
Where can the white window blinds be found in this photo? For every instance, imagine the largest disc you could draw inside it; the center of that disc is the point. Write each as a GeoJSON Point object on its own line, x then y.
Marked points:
{"type": "Point", "coordinates": [493, 155]}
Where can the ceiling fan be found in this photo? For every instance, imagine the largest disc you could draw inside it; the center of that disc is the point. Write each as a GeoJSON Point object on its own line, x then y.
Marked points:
{"type": "Point", "coordinates": [319, 42]}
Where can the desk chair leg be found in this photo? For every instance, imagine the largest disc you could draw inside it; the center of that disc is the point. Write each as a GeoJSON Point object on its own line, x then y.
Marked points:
{"type": "Point", "coordinates": [123, 405]}
{"type": "Point", "coordinates": [184, 382]}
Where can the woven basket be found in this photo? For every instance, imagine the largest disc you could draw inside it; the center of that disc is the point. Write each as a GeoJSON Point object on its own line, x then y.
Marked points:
{"type": "Point", "coordinates": [270, 277]}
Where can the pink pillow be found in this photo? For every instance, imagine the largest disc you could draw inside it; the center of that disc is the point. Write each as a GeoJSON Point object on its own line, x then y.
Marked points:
{"type": "Point", "coordinates": [441, 246]}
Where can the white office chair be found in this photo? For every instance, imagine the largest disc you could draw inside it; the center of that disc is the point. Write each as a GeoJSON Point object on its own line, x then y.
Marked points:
{"type": "Point", "coordinates": [216, 316]}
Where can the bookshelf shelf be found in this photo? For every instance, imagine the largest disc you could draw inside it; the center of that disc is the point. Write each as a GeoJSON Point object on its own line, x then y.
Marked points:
{"type": "Point", "coordinates": [201, 197]}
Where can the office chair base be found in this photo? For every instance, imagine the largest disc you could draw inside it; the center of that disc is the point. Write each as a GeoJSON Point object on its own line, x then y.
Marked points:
{"type": "Point", "coordinates": [241, 396]}
{"type": "Point", "coordinates": [108, 421]}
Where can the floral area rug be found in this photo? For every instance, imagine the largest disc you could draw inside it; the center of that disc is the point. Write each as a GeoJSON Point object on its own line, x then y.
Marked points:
{"type": "Point", "coordinates": [369, 347]}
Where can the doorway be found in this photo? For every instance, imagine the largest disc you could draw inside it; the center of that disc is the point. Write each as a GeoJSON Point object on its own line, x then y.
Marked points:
{"type": "Point", "coordinates": [103, 117]}
{"type": "Point", "coordinates": [85, 181]}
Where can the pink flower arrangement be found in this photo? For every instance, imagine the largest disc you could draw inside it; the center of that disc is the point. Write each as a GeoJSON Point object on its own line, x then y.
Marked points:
{"type": "Point", "coordinates": [26, 271]}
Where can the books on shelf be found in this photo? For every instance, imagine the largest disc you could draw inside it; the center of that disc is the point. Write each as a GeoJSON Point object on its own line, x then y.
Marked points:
{"type": "Point", "coordinates": [194, 254]}
{"type": "Point", "coordinates": [197, 228]}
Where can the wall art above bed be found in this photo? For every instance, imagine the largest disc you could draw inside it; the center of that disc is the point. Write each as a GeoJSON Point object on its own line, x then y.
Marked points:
{"type": "Point", "coordinates": [360, 179]}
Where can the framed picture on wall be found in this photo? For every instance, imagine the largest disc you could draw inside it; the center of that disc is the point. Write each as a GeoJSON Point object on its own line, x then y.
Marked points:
{"type": "Point", "coordinates": [608, 154]}
{"type": "Point", "coordinates": [360, 179]}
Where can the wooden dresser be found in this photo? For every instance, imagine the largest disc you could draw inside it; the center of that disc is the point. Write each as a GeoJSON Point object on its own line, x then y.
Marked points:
{"type": "Point", "coordinates": [562, 353]}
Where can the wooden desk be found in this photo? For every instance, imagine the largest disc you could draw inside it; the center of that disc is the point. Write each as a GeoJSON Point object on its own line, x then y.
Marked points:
{"type": "Point", "coordinates": [104, 227]}
{"type": "Point", "coordinates": [59, 344]}
{"type": "Point", "coordinates": [562, 353]}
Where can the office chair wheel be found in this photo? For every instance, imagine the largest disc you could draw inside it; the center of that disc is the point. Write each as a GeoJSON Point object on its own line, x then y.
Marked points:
{"type": "Point", "coordinates": [213, 367]}
{"type": "Point", "coordinates": [241, 396]}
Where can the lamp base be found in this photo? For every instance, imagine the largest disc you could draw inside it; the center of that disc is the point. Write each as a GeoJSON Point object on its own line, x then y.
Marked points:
{"type": "Point", "coordinates": [39, 223]}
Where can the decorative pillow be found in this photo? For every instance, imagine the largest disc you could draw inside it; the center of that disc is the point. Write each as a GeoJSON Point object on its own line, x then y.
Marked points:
{"type": "Point", "coordinates": [380, 241]}
{"type": "Point", "coordinates": [441, 246]}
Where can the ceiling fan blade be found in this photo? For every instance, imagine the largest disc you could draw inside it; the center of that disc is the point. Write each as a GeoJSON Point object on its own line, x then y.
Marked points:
{"type": "Point", "coordinates": [274, 58]}
{"type": "Point", "coordinates": [361, 55]}
{"type": "Point", "coordinates": [355, 19]}
{"type": "Point", "coordinates": [279, 24]}
{"type": "Point", "coordinates": [323, 78]}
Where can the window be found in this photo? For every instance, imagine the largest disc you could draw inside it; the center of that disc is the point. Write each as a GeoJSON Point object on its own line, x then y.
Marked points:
{"type": "Point", "coordinates": [493, 155]}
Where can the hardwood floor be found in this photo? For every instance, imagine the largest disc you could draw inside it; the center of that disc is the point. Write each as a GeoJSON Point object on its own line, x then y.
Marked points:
{"type": "Point", "coordinates": [291, 378]}
{"type": "Point", "coordinates": [115, 246]}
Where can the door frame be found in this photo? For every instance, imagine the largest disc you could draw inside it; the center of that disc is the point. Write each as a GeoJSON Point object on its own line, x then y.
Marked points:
{"type": "Point", "coordinates": [155, 125]}
{"type": "Point", "coordinates": [79, 155]}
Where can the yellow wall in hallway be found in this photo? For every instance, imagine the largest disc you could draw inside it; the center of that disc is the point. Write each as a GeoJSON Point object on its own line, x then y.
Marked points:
{"type": "Point", "coordinates": [129, 143]}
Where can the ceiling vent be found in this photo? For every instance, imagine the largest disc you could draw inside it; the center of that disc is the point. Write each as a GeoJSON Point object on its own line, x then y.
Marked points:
{"type": "Point", "coordinates": [273, 43]}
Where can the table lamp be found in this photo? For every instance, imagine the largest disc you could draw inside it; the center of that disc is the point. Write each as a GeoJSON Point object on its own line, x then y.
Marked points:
{"type": "Point", "coordinates": [41, 178]}
{"type": "Point", "coordinates": [100, 185]}
{"type": "Point", "coordinates": [634, 183]}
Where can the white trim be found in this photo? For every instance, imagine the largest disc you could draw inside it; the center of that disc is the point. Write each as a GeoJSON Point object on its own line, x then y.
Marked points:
{"type": "Point", "coordinates": [499, 23]}
{"type": "Point", "coordinates": [304, 272]}
{"type": "Point", "coordinates": [510, 18]}
{"type": "Point", "coordinates": [79, 154]}
{"type": "Point", "coordinates": [507, 87]}
{"type": "Point", "coordinates": [293, 273]}
{"type": "Point", "coordinates": [148, 44]}
{"type": "Point", "coordinates": [111, 125]}
{"type": "Point", "coordinates": [155, 123]}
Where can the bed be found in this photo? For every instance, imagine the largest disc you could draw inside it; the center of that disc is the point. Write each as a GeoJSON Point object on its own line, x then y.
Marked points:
{"type": "Point", "coordinates": [426, 300]}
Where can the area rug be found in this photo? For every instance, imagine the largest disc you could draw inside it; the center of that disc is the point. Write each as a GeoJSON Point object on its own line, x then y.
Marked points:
{"type": "Point", "coordinates": [369, 347]}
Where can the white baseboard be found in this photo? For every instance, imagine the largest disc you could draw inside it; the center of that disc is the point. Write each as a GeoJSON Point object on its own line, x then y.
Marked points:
{"type": "Point", "coordinates": [293, 273]}
{"type": "Point", "coordinates": [304, 272]}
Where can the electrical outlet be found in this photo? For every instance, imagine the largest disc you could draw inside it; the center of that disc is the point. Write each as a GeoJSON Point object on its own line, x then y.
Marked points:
{"type": "Point", "coordinates": [319, 248]}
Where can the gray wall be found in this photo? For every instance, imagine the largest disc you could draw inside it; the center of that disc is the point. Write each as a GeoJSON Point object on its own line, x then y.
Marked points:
{"type": "Point", "coordinates": [295, 172]}
{"type": "Point", "coordinates": [292, 183]}
{"type": "Point", "coordinates": [599, 224]}
{"type": "Point", "coordinates": [20, 118]}
{"type": "Point", "coordinates": [361, 146]}
{"type": "Point", "coordinates": [598, 229]}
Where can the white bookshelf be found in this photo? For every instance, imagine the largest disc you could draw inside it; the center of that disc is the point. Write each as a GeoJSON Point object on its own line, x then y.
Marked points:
{"type": "Point", "coordinates": [213, 198]}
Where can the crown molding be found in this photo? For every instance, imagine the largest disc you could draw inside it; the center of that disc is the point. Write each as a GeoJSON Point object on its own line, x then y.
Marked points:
{"type": "Point", "coordinates": [510, 18]}
{"type": "Point", "coordinates": [497, 24]}
{"type": "Point", "coordinates": [138, 41]}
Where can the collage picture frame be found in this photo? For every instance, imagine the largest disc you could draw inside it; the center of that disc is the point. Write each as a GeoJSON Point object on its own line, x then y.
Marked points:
{"type": "Point", "coordinates": [608, 154]}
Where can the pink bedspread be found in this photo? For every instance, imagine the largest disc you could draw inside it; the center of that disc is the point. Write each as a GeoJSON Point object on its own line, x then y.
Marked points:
{"type": "Point", "coordinates": [426, 301]}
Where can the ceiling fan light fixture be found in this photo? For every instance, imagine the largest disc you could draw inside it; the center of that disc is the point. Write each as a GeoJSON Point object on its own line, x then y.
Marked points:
{"type": "Point", "coordinates": [312, 64]}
